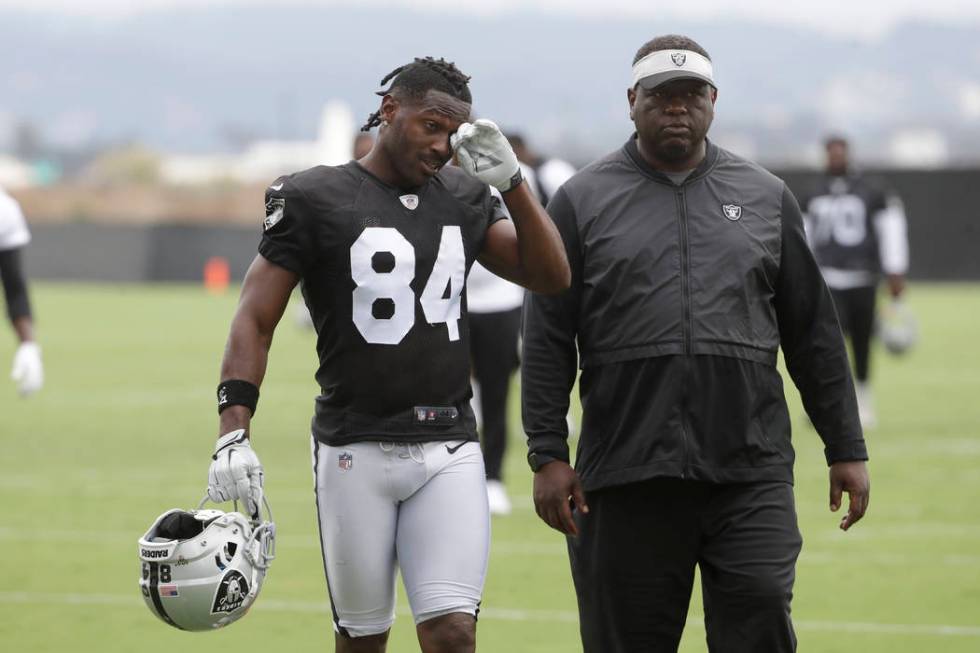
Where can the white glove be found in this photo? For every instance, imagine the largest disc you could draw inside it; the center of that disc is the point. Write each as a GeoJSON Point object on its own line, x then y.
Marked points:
{"type": "Point", "coordinates": [236, 473]}
{"type": "Point", "coordinates": [483, 152]}
{"type": "Point", "coordinates": [28, 372]}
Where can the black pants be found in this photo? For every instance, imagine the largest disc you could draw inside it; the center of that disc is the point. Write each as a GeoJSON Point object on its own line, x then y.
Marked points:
{"type": "Point", "coordinates": [856, 310]}
{"type": "Point", "coordinates": [633, 565]}
{"type": "Point", "coordinates": [493, 349]}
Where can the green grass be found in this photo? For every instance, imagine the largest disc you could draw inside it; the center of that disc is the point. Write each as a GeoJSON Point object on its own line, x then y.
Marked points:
{"type": "Point", "coordinates": [125, 424]}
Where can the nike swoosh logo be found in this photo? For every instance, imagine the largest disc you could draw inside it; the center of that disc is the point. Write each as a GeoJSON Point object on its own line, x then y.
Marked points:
{"type": "Point", "coordinates": [453, 450]}
{"type": "Point", "coordinates": [276, 187]}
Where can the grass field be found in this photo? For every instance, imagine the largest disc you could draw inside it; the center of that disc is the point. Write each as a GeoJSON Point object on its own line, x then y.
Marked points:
{"type": "Point", "coordinates": [125, 425]}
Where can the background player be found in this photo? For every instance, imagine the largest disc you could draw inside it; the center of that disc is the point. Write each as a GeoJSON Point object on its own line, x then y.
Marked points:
{"type": "Point", "coordinates": [381, 247]}
{"type": "Point", "coordinates": [28, 371]}
{"type": "Point", "coordinates": [494, 306]}
{"type": "Point", "coordinates": [495, 318]}
{"type": "Point", "coordinates": [549, 173]}
{"type": "Point", "coordinates": [857, 229]}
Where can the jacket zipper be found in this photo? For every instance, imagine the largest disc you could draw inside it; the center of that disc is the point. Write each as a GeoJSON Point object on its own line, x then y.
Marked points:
{"type": "Point", "coordinates": [686, 325]}
{"type": "Point", "coordinates": [685, 273]}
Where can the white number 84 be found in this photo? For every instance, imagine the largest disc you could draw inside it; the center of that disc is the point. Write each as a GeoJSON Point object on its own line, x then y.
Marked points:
{"type": "Point", "coordinates": [449, 270]}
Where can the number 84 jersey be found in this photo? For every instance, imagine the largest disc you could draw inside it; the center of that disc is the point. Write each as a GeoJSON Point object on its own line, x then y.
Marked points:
{"type": "Point", "coordinates": [383, 274]}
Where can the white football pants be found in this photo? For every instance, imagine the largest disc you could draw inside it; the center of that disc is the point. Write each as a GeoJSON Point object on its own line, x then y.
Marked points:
{"type": "Point", "coordinates": [420, 507]}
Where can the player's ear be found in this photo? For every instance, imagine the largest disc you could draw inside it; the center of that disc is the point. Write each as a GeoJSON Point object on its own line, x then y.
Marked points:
{"type": "Point", "coordinates": [389, 107]}
{"type": "Point", "coordinates": [714, 95]}
{"type": "Point", "coordinates": [631, 98]}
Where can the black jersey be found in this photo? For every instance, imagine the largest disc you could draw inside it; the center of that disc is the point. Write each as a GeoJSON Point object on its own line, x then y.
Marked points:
{"type": "Point", "coordinates": [383, 274]}
{"type": "Point", "coordinates": [843, 215]}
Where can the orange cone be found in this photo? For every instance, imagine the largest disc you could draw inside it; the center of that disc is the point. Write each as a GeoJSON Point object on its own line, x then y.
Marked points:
{"type": "Point", "coordinates": [217, 275]}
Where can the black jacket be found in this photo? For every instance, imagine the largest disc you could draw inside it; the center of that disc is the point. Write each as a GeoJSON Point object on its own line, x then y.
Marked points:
{"type": "Point", "coordinates": [681, 297]}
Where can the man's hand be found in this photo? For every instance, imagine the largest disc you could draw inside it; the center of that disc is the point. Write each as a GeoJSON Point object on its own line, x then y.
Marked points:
{"type": "Point", "coordinates": [556, 487]}
{"type": "Point", "coordinates": [483, 152]}
{"type": "Point", "coordinates": [896, 285]}
{"type": "Point", "coordinates": [28, 372]}
{"type": "Point", "coordinates": [236, 474]}
{"type": "Point", "coordinates": [850, 477]}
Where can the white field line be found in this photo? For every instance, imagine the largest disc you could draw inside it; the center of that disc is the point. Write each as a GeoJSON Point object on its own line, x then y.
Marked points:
{"type": "Point", "coordinates": [511, 548]}
{"type": "Point", "coordinates": [13, 477]}
{"type": "Point", "coordinates": [878, 527]}
{"type": "Point", "coordinates": [497, 614]}
{"type": "Point", "coordinates": [94, 482]}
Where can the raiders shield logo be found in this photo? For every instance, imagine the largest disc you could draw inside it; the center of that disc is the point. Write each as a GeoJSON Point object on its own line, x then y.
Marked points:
{"type": "Point", "coordinates": [678, 58]}
{"type": "Point", "coordinates": [231, 592]}
{"type": "Point", "coordinates": [410, 202]}
{"type": "Point", "coordinates": [732, 211]}
{"type": "Point", "coordinates": [275, 208]}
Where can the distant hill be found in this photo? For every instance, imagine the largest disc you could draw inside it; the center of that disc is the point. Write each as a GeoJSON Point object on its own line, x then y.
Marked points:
{"type": "Point", "coordinates": [205, 79]}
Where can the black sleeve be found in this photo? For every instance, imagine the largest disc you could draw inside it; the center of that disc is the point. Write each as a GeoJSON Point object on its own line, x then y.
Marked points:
{"type": "Point", "coordinates": [495, 208]}
{"type": "Point", "coordinates": [287, 239]}
{"type": "Point", "coordinates": [550, 358]}
{"type": "Point", "coordinates": [880, 196]}
{"type": "Point", "coordinates": [14, 284]}
{"type": "Point", "coordinates": [813, 345]}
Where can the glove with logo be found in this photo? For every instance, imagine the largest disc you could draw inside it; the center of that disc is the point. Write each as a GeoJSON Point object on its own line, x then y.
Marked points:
{"type": "Point", "coordinates": [236, 473]}
{"type": "Point", "coordinates": [483, 152]}
{"type": "Point", "coordinates": [28, 372]}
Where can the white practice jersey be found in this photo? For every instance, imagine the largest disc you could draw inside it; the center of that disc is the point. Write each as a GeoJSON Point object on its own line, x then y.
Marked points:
{"type": "Point", "coordinates": [552, 174]}
{"type": "Point", "coordinates": [485, 291]}
{"type": "Point", "coordinates": [488, 293]}
{"type": "Point", "coordinates": [13, 226]}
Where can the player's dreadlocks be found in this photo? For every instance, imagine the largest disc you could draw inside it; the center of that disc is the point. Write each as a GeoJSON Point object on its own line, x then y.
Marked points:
{"type": "Point", "coordinates": [423, 75]}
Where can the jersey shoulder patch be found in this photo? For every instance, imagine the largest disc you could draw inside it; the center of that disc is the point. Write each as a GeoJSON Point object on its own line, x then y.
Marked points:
{"type": "Point", "coordinates": [314, 191]}
{"type": "Point", "coordinates": [275, 208]}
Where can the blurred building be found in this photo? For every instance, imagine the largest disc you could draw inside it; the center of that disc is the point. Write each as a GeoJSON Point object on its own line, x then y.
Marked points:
{"type": "Point", "coordinates": [919, 148]}
{"type": "Point", "coordinates": [264, 160]}
{"type": "Point", "coordinates": [15, 173]}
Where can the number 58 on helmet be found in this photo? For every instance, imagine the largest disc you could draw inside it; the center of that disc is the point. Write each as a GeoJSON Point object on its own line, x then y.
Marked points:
{"type": "Point", "coordinates": [203, 569]}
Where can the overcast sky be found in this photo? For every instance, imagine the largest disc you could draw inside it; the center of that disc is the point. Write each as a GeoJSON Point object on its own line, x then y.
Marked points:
{"type": "Point", "coordinates": [863, 18]}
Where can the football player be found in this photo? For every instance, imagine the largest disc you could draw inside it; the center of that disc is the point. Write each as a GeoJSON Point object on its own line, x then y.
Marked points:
{"type": "Point", "coordinates": [494, 308]}
{"type": "Point", "coordinates": [857, 229]}
{"type": "Point", "coordinates": [548, 173]}
{"type": "Point", "coordinates": [28, 372]}
{"type": "Point", "coordinates": [381, 247]}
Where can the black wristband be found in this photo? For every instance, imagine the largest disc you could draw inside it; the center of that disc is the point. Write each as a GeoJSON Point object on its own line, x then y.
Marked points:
{"type": "Point", "coordinates": [515, 181]}
{"type": "Point", "coordinates": [235, 392]}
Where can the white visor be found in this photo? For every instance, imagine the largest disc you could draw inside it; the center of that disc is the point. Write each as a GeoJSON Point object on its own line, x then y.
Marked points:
{"type": "Point", "coordinates": [667, 65]}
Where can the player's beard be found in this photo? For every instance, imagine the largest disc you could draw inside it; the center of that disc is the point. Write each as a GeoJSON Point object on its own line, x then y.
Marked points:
{"type": "Point", "coordinates": [673, 149]}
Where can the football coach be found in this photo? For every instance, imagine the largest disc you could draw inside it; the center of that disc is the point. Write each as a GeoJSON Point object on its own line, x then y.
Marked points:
{"type": "Point", "coordinates": [690, 270]}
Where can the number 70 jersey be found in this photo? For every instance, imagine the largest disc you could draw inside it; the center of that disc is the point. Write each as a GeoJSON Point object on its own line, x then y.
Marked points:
{"type": "Point", "coordinates": [383, 274]}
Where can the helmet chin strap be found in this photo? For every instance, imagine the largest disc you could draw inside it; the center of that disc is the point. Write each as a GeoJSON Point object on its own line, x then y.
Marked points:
{"type": "Point", "coordinates": [265, 534]}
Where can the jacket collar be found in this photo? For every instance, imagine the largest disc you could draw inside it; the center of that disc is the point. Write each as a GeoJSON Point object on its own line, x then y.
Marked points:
{"type": "Point", "coordinates": [632, 153]}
